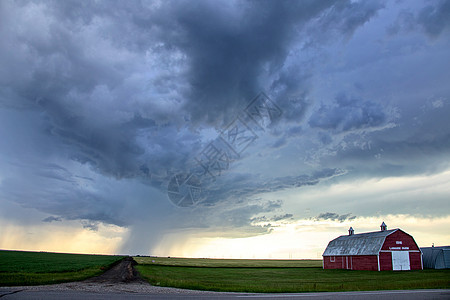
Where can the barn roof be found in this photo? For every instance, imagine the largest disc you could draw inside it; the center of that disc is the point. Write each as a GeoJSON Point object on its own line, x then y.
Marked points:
{"type": "Point", "coordinates": [369, 243]}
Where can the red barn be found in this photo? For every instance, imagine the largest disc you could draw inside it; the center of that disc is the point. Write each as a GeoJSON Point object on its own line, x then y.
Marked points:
{"type": "Point", "coordinates": [377, 251]}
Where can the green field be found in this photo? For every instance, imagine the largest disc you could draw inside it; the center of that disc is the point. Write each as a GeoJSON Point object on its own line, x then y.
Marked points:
{"type": "Point", "coordinates": [228, 263]}
{"type": "Point", "coordinates": [231, 275]}
{"type": "Point", "coordinates": [276, 276]}
{"type": "Point", "coordinates": [32, 268]}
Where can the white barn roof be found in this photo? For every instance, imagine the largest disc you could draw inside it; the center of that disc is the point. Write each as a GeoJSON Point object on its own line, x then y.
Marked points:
{"type": "Point", "coordinates": [369, 243]}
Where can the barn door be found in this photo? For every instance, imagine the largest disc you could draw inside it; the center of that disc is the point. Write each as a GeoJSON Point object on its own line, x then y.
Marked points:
{"type": "Point", "coordinates": [348, 263]}
{"type": "Point", "coordinates": [400, 260]}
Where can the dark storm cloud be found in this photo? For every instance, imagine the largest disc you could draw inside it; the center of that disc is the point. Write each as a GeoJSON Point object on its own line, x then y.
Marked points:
{"type": "Point", "coordinates": [418, 143]}
{"type": "Point", "coordinates": [89, 99]}
{"type": "Point", "coordinates": [292, 84]}
{"type": "Point", "coordinates": [344, 18]}
{"type": "Point", "coordinates": [231, 218]}
{"type": "Point", "coordinates": [52, 219]}
{"type": "Point", "coordinates": [435, 18]}
{"type": "Point", "coordinates": [335, 217]}
{"type": "Point", "coordinates": [273, 219]}
{"type": "Point", "coordinates": [81, 62]}
{"type": "Point", "coordinates": [108, 97]}
{"type": "Point", "coordinates": [67, 197]}
{"type": "Point", "coordinates": [243, 186]}
{"type": "Point", "coordinates": [229, 49]}
{"type": "Point", "coordinates": [346, 114]}
{"type": "Point", "coordinates": [232, 49]}
{"type": "Point", "coordinates": [90, 225]}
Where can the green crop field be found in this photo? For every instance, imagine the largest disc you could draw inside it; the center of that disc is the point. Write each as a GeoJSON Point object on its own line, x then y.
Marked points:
{"type": "Point", "coordinates": [228, 263]}
{"type": "Point", "coordinates": [31, 268]}
{"type": "Point", "coordinates": [276, 276]}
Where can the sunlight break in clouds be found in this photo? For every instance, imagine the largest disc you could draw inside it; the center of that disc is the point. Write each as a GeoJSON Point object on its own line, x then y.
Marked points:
{"type": "Point", "coordinates": [62, 238]}
{"type": "Point", "coordinates": [301, 239]}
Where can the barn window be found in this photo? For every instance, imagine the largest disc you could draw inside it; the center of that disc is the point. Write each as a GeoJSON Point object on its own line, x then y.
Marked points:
{"type": "Point", "coordinates": [331, 258]}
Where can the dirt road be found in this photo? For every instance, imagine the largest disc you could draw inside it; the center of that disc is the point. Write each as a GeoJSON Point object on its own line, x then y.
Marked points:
{"type": "Point", "coordinates": [121, 278]}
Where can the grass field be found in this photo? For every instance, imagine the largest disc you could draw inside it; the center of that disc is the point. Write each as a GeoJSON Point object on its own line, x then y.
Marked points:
{"type": "Point", "coordinates": [233, 275]}
{"type": "Point", "coordinates": [229, 263]}
{"type": "Point", "coordinates": [32, 268]}
{"type": "Point", "coordinates": [293, 276]}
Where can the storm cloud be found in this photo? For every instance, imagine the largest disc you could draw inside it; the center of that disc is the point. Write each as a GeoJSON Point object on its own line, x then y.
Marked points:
{"type": "Point", "coordinates": [335, 217]}
{"type": "Point", "coordinates": [102, 103]}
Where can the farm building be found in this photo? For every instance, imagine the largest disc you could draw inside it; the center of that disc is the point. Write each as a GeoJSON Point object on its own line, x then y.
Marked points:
{"type": "Point", "coordinates": [377, 251]}
{"type": "Point", "coordinates": [436, 257]}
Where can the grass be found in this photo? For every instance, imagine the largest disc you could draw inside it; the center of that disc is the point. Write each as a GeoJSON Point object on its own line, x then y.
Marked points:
{"type": "Point", "coordinates": [34, 268]}
{"type": "Point", "coordinates": [228, 276]}
{"type": "Point", "coordinates": [228, 263]}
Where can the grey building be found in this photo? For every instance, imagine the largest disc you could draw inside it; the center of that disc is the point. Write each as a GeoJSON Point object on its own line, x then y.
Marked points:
{"type": "Point", "coordinates": [436, 257]}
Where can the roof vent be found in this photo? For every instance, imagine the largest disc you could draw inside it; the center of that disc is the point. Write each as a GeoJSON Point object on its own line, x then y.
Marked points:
{"type": "Point", "coordinates": [383, 226]}
{"type": "Point", "coordinates": [351, 231]}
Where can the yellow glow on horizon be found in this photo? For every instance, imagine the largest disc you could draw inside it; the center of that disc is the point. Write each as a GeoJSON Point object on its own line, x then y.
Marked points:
{"type": "Point", "coordinates": [299, 239]}
{"type": "Point", "coordinates": [307, 237]}
{"type": "Point", "coordinates": [61, 238]}
{"type": "Point", "coordinates": [302, 239]}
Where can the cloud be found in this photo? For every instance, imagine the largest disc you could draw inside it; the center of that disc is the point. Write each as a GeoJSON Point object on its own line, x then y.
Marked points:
{"type": "Point", "coordinates": [431, 18]}
{"type": "Point", "coordinates": [244, 186]}
{"type": "Point", "coordinates": [119, 106]}
{"type": "Point", "coordinates": [434, 18]}
{"type": "Point", "coordinates": [349, 114]}
{"type": "Point", "coordinates": [272, 219]}
{"type": "Point", "coordinates": [282, 217]}
{"type": "Point", "coordinates": [93, 226]}
{"type": "Point", "coordinates": [226, 60]}
{"type": "Point", "coordinates": [101, 103]}
{"type": "Point", "coordinates": [335, 217]}
{"type": "Point", "coordinates": [344, 18]}
{"type": "Point", "coordinates": [52, 219]}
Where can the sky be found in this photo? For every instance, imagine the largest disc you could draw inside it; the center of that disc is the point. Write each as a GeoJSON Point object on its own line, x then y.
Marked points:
{"type": "Point", "coordinates": [234, 129]}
